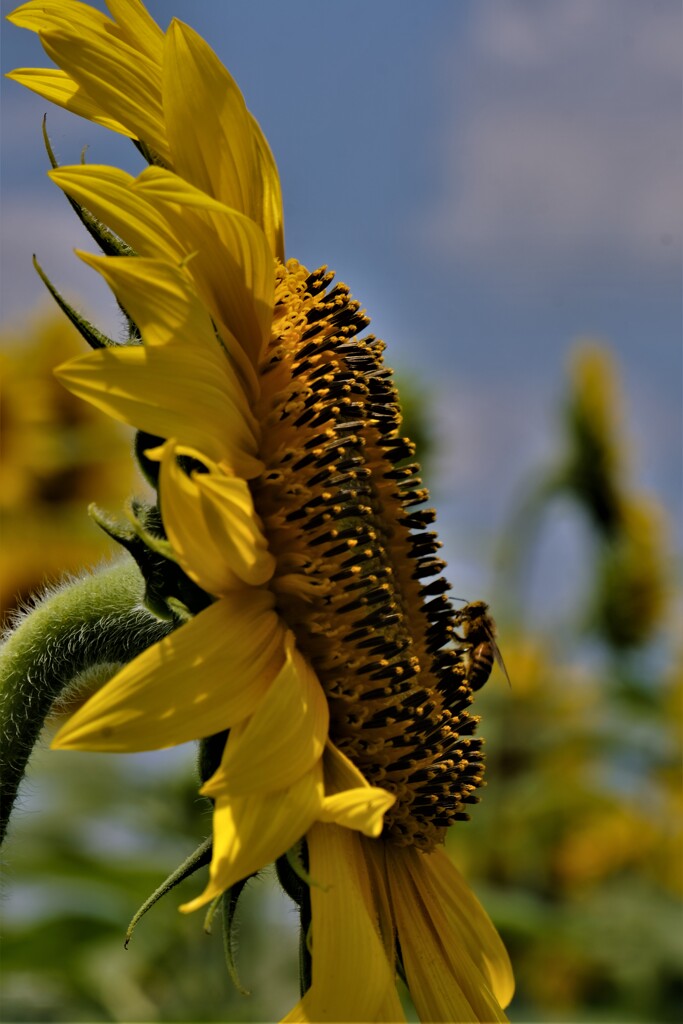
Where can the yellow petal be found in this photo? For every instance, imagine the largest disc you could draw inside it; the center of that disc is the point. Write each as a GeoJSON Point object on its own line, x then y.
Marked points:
{"type": "Point", "coordinates": [162, 302]}
{"type": "Point", "coordinates": [359, 809]}
{"type": "Point", "coordinates": [282, 740]}
{"type": "Point", "coordinates": [375, 859]}
{"type": "Point", "coordinates": [75, 20]}
{"type": "Point", "coordinates": [206, 113]}
{"type": "Point", "coordinates": [232, 263]}
{"type": "Point", "coordinates": [48, 15]}
{"type": "Point", "coordinates": [124, 82]}
{"type": "Point", "coordinates": [202, 539]}
{"type": "Point", "coordinates": [444, 982]}
{"type": "Point", "coordinates": [251, 831]}
{"type": "Point", "coordinates": [206, 676]}
{"type": "Point", "coordinates": [196, 548]}
{"type": "Point", "coordinates": [340, 772]}
{"type": "Point", "coordinates": [352, 979]}
{"type": "Point", "coordinates": [158, 297]}
{"type": "Point", "coordinates": [350, 800]}
{"type": "Point", "coordinates": [169, 391]}
{"type": "Point", "coordinates": [138, 27]}
{"type": "Point", "coordinates": [58, 87]}
{"type": "Point", "coordinates": [108, 193]}
{"type": "Point", "coordinates": [470, 922]}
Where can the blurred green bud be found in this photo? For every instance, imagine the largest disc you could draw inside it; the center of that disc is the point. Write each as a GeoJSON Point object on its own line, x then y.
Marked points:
{"type": "Point", "coordinates": [631, 593]}
{"type": "Point", "coordinates": [595, 462]}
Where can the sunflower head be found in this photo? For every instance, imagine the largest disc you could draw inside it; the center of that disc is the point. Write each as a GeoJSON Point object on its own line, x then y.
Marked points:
{"type": "Point", "coordinates": [315, 652]}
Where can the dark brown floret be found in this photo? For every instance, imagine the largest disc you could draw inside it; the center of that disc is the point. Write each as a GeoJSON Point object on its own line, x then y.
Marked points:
{"type": "Point", "coordinates": [357, 580]}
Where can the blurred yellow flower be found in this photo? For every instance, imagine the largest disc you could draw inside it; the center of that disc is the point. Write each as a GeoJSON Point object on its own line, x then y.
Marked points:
{"type": "Point", "coordinates": [55, 453]}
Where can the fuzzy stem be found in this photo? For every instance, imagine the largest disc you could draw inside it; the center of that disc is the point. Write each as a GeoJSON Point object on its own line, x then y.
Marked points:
{"type": "Point", "coordinates": [92, 621]}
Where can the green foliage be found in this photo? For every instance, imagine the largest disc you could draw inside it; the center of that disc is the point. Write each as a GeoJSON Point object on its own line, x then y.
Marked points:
{"type": "Point", "coordinates": [577, 846]}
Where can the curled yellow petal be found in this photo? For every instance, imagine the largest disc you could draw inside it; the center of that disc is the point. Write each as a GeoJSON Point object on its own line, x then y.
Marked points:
{"type": "Point", "coordinates": [220, 546]}
{"type": "Point", "coordinates": [284, 737]}
{"type": "Point", "coordinates": [251, 831]}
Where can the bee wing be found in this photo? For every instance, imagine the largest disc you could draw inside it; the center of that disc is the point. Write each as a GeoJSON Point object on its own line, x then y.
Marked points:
{"type": "Point", "coordinates": [499, 657]}
{"type": "Point", "coordinates": [499, 661]}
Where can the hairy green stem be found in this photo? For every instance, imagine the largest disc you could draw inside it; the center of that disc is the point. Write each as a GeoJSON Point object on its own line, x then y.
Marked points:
{"type": "Point", "coordinates": [96, 620]}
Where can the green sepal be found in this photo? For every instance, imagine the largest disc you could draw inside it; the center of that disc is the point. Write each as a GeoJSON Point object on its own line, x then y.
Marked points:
{"type": "Point", "coordinates": [293, 857]}
{"type": "Point", "coordinates": [210, 754]}
{"type": "Point", "coordinates": [149, 154]}
{"type": "Point", "coordinates": [229, 904]}
{"type": "Point", "coordinates": [150, 467]}
{"type": "Point", "coordinates": [199, 859]}
{"type": "Point", "coordinates": [94, 337]}
{"type": "Point", "coordinates": [108, 241]}
{"type": "Point", "coordinates": [143, 537]}
{"type": "Point", "coordinates": [291, 872]}
{"type": "Point", "coordinates": [292, 879]}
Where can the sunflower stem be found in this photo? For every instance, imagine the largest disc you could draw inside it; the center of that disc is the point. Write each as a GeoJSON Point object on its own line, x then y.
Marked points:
{"type": "Point", "coordinates": [94, 621]}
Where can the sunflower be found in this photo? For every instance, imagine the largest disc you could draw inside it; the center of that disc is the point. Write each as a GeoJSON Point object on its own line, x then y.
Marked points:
{"type": "Point", "coordinates": [315, 653]}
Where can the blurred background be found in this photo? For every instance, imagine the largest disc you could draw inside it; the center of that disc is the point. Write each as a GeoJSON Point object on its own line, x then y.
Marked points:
{"type": "Point", "coordinates": [499, 184]}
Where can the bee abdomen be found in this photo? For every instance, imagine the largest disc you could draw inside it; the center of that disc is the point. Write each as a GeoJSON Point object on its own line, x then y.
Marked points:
{"type": "Point", "coordinates": [480, 664]}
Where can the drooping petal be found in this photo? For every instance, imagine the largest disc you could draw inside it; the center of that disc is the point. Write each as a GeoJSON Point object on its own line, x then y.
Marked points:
{"type": "Point", "coordinates": [350, 800]}
{"type": "Point", "coordinates": [360, 809]}
{"type": "Point", "coordinates": [352, 979]}
{"type": "Point", "coordinates": [445, 983]}
{"type": "Point", "coordinates": [251, 831]}
{"type": "Point", "coordinates": [108, 193]}
{"type": "Point", "coordinates": [218, 549]}
{"type": "Point", "coordinates": [169, 391]}
{"type": "Point", "coordinates": [196, 547]}
{"type": "Point", "coordinates": [282, 740]}
{"type": "Point", "coordinates": [205, 677]}
{"type": "Point", "coordinates": [470, 922]}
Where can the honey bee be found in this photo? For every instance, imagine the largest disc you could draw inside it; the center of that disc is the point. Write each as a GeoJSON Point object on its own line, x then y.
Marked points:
{"type": "Point", "coordinates": [479, 641]}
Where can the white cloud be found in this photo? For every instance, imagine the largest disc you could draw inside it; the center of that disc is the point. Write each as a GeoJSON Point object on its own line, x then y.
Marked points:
{"type": "Point", "coordinates": [564, 154]}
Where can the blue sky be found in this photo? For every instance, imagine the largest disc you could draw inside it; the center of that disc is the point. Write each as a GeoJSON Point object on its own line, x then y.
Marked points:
{"type": "Point", "coordinates": [492, 178]}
